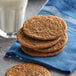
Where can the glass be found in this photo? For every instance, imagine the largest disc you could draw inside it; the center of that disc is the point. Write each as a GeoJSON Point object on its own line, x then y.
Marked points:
{"type": "Point", "coordinates": [12, 13]}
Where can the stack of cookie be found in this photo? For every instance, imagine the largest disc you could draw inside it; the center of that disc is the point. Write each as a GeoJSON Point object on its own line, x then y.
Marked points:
{"type": "Point", "coordinates": [43, 35]}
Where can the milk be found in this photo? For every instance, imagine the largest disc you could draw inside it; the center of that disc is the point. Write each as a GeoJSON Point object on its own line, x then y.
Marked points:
{"type": "Point", "coordinates": [12, 14]}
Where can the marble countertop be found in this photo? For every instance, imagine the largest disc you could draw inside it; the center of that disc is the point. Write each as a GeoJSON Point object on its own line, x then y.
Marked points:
{"type": "Point", "coordinates": [33, 6]}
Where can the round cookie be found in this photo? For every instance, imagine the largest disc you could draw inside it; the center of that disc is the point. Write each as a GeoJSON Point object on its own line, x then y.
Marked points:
{"type": "Point", "coordinates": [39, 54]}
{"type": "Point", "coordinates": [44, 27]}
{"type": "Point", "coordinates": [28, 69]}
{"type": "Point", "coordinates": [33, 43]}
{"type": "Point", "coordinates": [55, 47]}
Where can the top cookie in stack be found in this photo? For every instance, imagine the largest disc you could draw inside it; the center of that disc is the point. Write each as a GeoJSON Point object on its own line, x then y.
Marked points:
{"type": "Point", "coordinates": [43, 35]}
{"type": "Point", "coordinates": [44, 27]}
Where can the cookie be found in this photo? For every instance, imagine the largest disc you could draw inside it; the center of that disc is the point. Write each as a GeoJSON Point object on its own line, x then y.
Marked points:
{"type": "Point", "coordinates": [44, 27]}
{"type": "Point", "coordinates": [34, 53]}
{"type": "Point", "coordinates": [57, 46]}
{"type": "Point", "coordinates": [33, 43]}
{"type": "Point", "coordinates": [28, 69]}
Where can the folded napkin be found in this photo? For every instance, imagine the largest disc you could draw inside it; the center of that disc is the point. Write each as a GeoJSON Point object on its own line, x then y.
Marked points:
{"type": "Point", "coordinates": [66, 60]}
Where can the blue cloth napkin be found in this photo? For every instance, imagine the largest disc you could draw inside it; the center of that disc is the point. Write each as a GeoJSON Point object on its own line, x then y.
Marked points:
{"type": "Point", "coordinates": [66, 60]}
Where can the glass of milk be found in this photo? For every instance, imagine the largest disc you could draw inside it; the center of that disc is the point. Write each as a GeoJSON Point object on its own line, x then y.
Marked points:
{"type": "Point", "coordinates": [12, 13]}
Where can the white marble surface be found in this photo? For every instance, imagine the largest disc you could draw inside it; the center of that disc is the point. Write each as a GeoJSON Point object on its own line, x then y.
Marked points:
{"type": "Point", "coordinates": [32, 9]}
